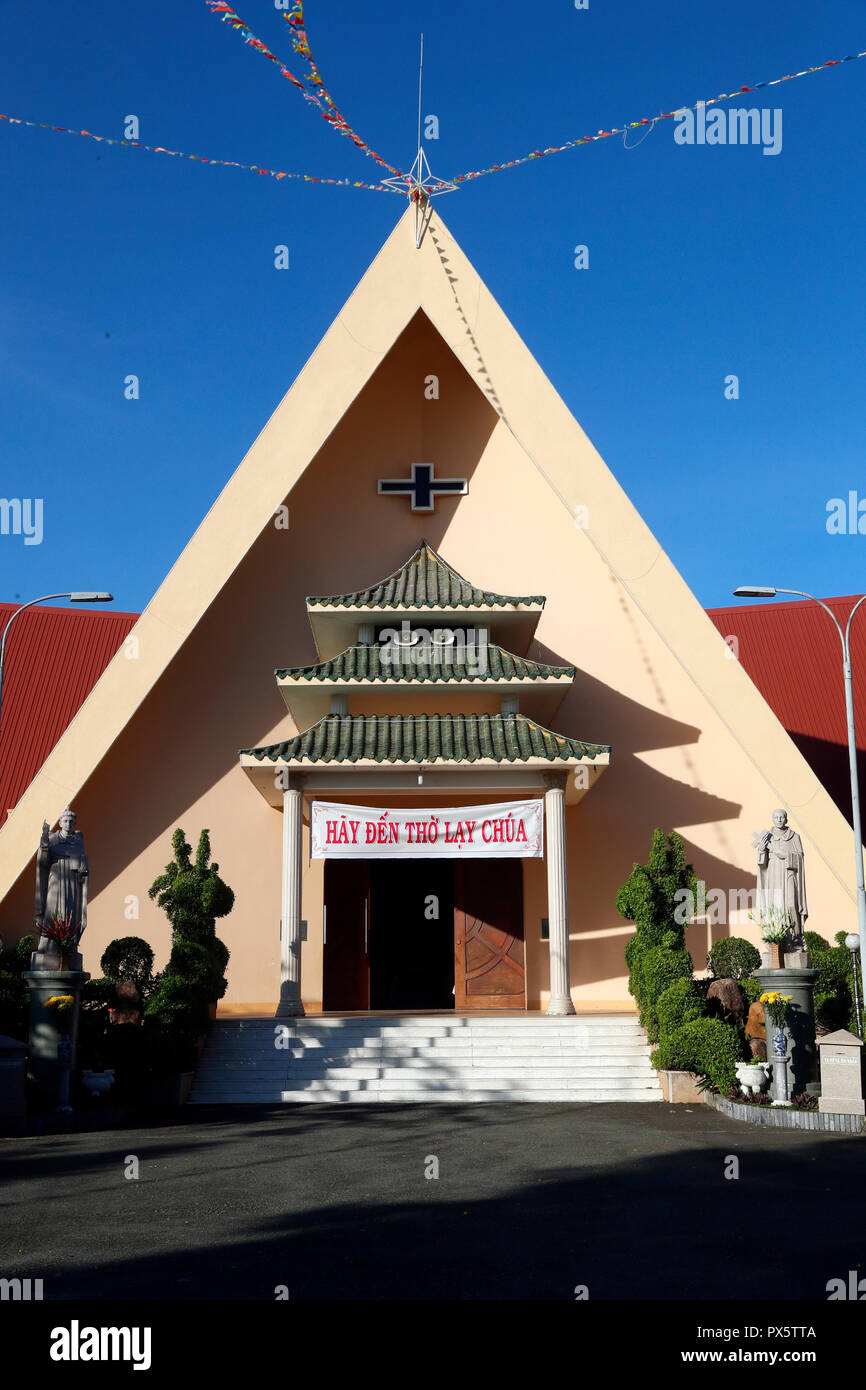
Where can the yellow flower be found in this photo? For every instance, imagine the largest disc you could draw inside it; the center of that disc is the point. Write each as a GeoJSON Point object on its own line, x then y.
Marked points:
{"type": "Point", "coordinates": [61, 1002]}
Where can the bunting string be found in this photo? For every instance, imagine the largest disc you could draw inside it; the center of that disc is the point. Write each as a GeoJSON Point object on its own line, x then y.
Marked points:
{"type": "Point", "coordinates": [200, 158]}
{"type": "Point", "coordinates": [320, 98]}
{"type": "Point", "coordinates": [334, 117]}
{"type": "Point", "coordinates": [649, 120]}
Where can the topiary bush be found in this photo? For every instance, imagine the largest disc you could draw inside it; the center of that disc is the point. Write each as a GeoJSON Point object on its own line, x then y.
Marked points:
{"type": "Point", "coordinates": [707, 1046]}
{"type": "Point", "coordinates": [681, 1003]}
{"type": "Point", "coordinates": [657, 970]}
{"type": "Point", "coordinates": [732, 957]}
{"type": "Point", "coordinates": [192, 895]}
{"type": "Point", "coordinates": [128, 958]}
{"type": "Point", "coordinates": [652, 894]}
{"type": "Point", "coordinates": [652, 898]}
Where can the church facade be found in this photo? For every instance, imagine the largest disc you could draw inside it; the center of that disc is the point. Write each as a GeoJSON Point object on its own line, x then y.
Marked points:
{"type": "Point", "coordinates": [430, 682]}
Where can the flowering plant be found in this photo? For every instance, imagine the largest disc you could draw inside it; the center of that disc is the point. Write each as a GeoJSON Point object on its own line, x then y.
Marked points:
{"type": "Point", "coordinates": [63, 930]}
{"type": "Point", "coordinates": [61, 1002]}
{"type": "Point", "coordinates": [776, 1005]}
{"type": "Point", "coordinates": [775, 923]}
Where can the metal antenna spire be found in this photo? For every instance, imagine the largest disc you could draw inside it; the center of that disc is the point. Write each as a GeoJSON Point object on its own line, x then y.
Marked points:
{"type": "Point", "coordinates": [420, 75]}
{"type": "Point", "coordinates": [420, 183]}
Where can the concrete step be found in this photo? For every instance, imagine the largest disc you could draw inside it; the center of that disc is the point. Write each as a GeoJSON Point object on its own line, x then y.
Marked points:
{"type": "Point", "coordinates": [418, 1059]}
{"type": "Point", "coordinates": [433, 1028]}
{"type": "Point", "coordinates": [423, 1066]}
{"type": "Point", "coordinates": [451, 1096]}
{"type": "Point", "coordinates": [403, 1084]}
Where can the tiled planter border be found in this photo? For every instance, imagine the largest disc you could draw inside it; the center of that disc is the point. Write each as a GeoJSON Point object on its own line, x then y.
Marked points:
{"type": "Point", "coordinates": [787, 1119]}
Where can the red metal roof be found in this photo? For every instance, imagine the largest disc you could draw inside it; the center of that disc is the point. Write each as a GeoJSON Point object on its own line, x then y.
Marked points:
{"type": "Point", "coordinates": [793, 654]}
{"type": "Point", "coordinates": [791, 651]}
{"type": "Point", "coordinates": [54, 657]}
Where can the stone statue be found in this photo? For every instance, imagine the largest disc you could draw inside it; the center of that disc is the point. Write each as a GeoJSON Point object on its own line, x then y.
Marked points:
{"type": "Point", "coordinates": [781, 876]}
{"type": "Point", "coordinates": [61, 887]}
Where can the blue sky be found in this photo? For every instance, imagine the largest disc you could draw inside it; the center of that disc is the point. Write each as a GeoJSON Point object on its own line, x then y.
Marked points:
{"type": "Point", "coordinates": [703, 261]}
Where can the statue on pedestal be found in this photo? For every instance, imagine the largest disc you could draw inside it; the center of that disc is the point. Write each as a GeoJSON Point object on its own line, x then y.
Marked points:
{"type": "Point", "coordinates": [62, 872]}
{"type": "Point", "coordinates": [782, 881]}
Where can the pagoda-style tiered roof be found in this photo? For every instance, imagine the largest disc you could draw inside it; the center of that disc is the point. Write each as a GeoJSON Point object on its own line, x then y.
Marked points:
{"type": "Point", "coordinates": [423, 630]}
{"type": "Point", "coordinates": [369, 663]}
{"type": "Point", "coordinates": [427, 738]}
{"type": "Point", "coordinates": [374, 668]}
{"type": "Point", "coordinates": [424, 588]}
{"type": "Point", "coordinates": [425, 581]}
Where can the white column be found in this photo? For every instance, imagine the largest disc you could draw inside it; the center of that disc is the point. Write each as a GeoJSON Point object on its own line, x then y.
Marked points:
{"type": "Point", "coordinates": [557, 896]}
{"type": "Point", "coordinates": [290, 1005]}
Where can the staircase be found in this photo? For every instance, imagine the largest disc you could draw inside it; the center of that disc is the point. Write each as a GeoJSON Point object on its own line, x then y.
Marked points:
{"type": "Point", "coordinates": [405, 1058]}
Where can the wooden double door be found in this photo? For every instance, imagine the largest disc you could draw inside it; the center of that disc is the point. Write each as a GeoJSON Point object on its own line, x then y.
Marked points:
{"type": "Point", "coordinates": [423, 934]}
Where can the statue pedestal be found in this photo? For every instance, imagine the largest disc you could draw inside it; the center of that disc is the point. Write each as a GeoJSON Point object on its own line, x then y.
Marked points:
{"type": "Point", "coordinates": [802, 1056]}
{"type": "Point", "coordinates": [48, 1028]}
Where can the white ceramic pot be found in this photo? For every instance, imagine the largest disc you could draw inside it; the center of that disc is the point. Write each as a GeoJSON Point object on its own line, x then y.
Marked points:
{"type": "Point", "coordinates": [752, 1076]}
{"type": "Point", "coordinates": [97, 1082]}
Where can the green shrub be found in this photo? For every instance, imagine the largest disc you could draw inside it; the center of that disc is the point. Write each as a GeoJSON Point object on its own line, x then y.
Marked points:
{"type": "Point", "coordinates": [752, 988]}
{"type": "Point", "coordinates": [652, 898]}
{"type": "Point", "coordinates": [127, 958]}
{"type": "Point", "coordinates": [98, 993]}
{"type": "Point", "coordinates": [16, 958]}
{"type": "Point", "coordinates": [199, 967]}
{"type": "Point", "coordinates": [680, 1003]}
{"type": "Point", "coordinates": [732, 957]}
{"type": "Point", "coordinates": [179, 1019]}
{"type": "Point", "coordinates": [192, 895]}
{"type": "Point", "coordinates": [24, 947]}
{"type": "Point", "coordinates": [652, 895]}
{"type": "Point", "coordinates": [14, 997]}
{"type": "Point", "coordinates": [834, 987]}
{"type": "Point", "coordinates": [707, 1046]}
{"type": "Point", "coordinates": [657, 970]}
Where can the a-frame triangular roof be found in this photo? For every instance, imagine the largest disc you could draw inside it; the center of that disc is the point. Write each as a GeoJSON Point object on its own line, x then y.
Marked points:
{"type": "Point", "coordinates": [438, 280]}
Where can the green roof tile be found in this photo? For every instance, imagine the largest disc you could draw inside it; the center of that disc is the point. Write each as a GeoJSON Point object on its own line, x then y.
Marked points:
{"type": "Point", "coordinates": [425, 581]}
{"type": "Point", "coordinates": [365, 663]}
{"type": "Point", "coordinates": [410, 738]}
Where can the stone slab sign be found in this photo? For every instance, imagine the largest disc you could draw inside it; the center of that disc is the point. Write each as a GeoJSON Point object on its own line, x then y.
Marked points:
{"type": "Point", "coordinates": [841, 1074]}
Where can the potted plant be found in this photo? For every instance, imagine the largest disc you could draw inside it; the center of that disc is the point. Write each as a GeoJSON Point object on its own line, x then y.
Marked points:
{"type": "Point", "coordinates": [775, 923]}
{"type": "Point", "coordinates": [66, 934]}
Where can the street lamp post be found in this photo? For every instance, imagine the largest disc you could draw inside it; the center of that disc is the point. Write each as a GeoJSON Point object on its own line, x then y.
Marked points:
{"type": "Point", "coordinates": [757, 591]}
{"type": "Point", "coordinates": [76, 596]}
{"type": "Point", "coordinates": [852, 941]}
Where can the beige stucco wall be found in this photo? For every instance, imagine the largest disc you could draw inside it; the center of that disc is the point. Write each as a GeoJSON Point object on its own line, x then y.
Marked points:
{"type": "Point", "coordinates": [676, 761]}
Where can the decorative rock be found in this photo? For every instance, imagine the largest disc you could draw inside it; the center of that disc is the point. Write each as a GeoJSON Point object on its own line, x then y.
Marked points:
{"type": "Point", "coordinates": [841, 1074]}
{"type": "Point", "coordinates": [730, 997]}
{"type": "Point", "coordinates": [755, 1028]}
{"type": "Point", "coordinates": [756, 1033]}
{"type": "Point", "coordinates": [128, 1006]}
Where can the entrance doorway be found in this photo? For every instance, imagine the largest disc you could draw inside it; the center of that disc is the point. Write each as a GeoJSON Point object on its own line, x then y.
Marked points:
{"type": "Point", "coordinates": [423, 934]}
{"type": "Point", "coordinates": [412, 937]}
